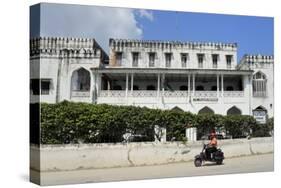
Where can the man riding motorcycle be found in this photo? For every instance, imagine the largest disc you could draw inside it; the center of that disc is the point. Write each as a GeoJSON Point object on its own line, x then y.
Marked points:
{"type": "Point", "coordinates": [212, 145]}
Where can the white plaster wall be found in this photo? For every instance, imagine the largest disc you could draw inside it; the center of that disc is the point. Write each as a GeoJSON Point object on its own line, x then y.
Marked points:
{"type": "Point", "coordinates": [192, 61]}
{"type": "Point", "coordinates": [86, 156]}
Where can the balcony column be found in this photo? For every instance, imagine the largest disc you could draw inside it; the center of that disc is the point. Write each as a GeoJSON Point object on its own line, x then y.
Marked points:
{"type": "Point", "coordinates": [250, 90]}
{"type": "Point", "coordinates": [132, 83]}
{"type": "Point", "coordinates": [222, 85]}
{"type": "Point", "coordinates": [93, 88]}
{"type": "Point", "coordinates": [127, 84]}
{"type": "Point", "coordinates": [162, 84]}
{"type": "Point", "coordinates": [108, 88]}
{"type": "Point", "coordinates": [218, 86]}
{"type": "Point", "coordinates": [158, 85]}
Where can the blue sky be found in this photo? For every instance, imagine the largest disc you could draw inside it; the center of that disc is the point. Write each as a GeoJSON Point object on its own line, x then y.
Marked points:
{"type": "Point", "coordinates": [253, 34]}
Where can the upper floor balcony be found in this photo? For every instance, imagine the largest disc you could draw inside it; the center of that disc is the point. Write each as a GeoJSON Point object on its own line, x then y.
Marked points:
{"type": "Point", "coordinates": [181, 88]}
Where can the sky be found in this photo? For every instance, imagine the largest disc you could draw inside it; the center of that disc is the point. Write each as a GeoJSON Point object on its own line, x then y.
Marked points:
{"type": "Point", "coordinates": [254, 35]}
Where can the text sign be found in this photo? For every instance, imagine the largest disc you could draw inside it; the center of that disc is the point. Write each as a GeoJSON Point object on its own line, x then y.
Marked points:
{"type": "Point", "coordinates": [205, 99]}
{"type": "Point", "coordinates": [260, 116]}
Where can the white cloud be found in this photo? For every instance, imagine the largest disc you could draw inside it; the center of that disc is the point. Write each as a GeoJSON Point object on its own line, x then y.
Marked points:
{"type": "Point", "coordinates": [146, 14]}
{"type": "Point", "coordinates": [100, 23]}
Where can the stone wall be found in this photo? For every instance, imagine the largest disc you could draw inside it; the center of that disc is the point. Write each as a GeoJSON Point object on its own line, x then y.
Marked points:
{"type": "Point", "coordinates": [91, 156]}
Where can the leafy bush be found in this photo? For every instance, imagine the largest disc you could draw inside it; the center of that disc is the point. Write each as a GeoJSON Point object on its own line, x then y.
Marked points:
{"type": "Point", "coordinates": [69, 122]}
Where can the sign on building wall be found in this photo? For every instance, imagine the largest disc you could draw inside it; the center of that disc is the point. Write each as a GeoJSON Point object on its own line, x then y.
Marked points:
{"type": "Point", "coordinates": [260, 116]}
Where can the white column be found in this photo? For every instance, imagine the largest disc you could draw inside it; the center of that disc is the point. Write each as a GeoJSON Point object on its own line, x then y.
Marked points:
{"type": "Point", "coordinates": [132, 83]}
{"type": "Point", "coordinates": [127, 84]}
{"type": "Point", "coordinates": [93, 88]}
{"type": "Point", "coordinates": [163, 82]}
{"type": "Point", "coordinates": [250, 78]}
{"type": "Point", "coordinates": [98, 83]}
{"type": "Point", "coordinates": [191, 134]}
{"type": "Point", "coordinates": [108, 85]}
{"type": "Point", "coordinates": [218, 86]}
{"type": "Point", "coordinates": [158, 85]}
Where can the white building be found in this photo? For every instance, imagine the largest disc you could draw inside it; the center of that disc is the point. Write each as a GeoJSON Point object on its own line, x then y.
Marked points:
{"type": "Point", "coordinates": [195, 77]}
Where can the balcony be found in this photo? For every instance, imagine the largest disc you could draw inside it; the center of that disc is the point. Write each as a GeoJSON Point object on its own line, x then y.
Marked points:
{"type": "Point", "coordinates": [233, 93]}
{"type": "Point", "coordinates": [169, 94]}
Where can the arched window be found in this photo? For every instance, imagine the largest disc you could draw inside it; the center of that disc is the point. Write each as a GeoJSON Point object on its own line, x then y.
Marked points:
{"type": "Point", "coordinates": [206, 110]}
{"type": "Point", "coordinates": [214, 88]}
{"type": "Point", "coordinates": [229, 88]}
{"type": "Point", "coordinates": [260, 114]}
{"type": "Point", "coordinates": [117, 87]}
{"type": "Point", "coordinates": [150, 87]}
{"type": "Point", "coordinates": [183, 88]}
{"type": "Point", "coordinates": [80, 80]}
{"type": "Point", "coordinates": [234, 111]}
{"type": "Point", "coordinates": [199, 88]}
{"type": "Point", "coordinates": [259, 85]}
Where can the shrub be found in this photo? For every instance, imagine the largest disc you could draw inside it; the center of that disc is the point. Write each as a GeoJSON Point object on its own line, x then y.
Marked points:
{"type": "Point", "coordinates": [69, 122]}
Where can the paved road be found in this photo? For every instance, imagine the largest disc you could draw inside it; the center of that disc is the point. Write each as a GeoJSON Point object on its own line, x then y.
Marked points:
{"type": "Point", "coordinates": [257, 163]}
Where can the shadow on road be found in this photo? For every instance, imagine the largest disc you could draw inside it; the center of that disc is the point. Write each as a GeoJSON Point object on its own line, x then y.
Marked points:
{"type": "Point", "coordinates": [212, 164]}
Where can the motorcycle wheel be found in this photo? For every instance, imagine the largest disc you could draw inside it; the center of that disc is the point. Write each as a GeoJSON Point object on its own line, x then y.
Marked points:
{"type": "Point", "coordinates": [219, 162]}
{"type": "Point", "coordinates": [198, 162]}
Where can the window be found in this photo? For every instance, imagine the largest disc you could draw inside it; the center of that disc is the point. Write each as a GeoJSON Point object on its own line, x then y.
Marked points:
{"type": "Point", "coordinates": [118, 58]}
{"type": "Point", "coordinates": [135, 59]}
{"type": "Point", "coordinates": [45, 87]}
{"type": "Point", "coordinates": [81, 80]}
{"type": "Point", "coordinates": [34, 86]}
{"type": "Point", "coordinates": [40, 86]}
{"type": "Point", "coordinates": [200, 58]}
{"type": "Point", "coordinates": [259, 85]}
{"type": "Point", "coordinates": [215, 60]}
{"type": "Point", "coordinates": [184, 57]}
{"type": "Point", "coordinates": [151, 57]}
{"type": "Point", "coordinates": [168, 58]}
{"type": "Point", "coordinates": [228, 61]}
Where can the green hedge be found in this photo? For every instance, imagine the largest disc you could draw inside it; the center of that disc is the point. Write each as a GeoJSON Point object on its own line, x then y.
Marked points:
{"type": "Point", "coordinates": [69, 122]}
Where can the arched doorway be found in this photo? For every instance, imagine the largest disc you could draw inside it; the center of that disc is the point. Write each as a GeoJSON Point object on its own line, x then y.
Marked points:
{"type": "Point", "coordinates": [206, 110]}
{"type": "Point", "coordinates": [260, 114]}
{"type": "Point", "coordinates": [234, 111]}
{"type": "Point", "coordinates": [177, 109]}
{"type": "Point", "coordinates": [81, 80]}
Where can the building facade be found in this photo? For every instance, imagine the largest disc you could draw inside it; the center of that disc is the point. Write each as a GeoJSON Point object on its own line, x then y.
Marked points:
{"type": "Point", "coordinates": [195, 77]}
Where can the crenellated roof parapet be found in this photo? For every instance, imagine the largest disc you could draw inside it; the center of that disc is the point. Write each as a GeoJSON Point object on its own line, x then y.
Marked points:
{"type": "Point", "coordinates": [258, 58]}
{"type": "Point", "coordinates": [62, 46]}
{"type": "Point", "coordinates": [255, 61]}
{"type": "Point", "coordinates": [128, 43]}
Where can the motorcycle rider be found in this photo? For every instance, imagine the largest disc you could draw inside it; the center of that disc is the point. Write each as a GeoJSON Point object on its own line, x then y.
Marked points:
{"type": "Point", "coordinates": [212, 145]}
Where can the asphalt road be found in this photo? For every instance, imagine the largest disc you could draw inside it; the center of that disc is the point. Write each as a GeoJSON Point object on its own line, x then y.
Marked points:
{"type": "Point", "coordinates": [257, 163]}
